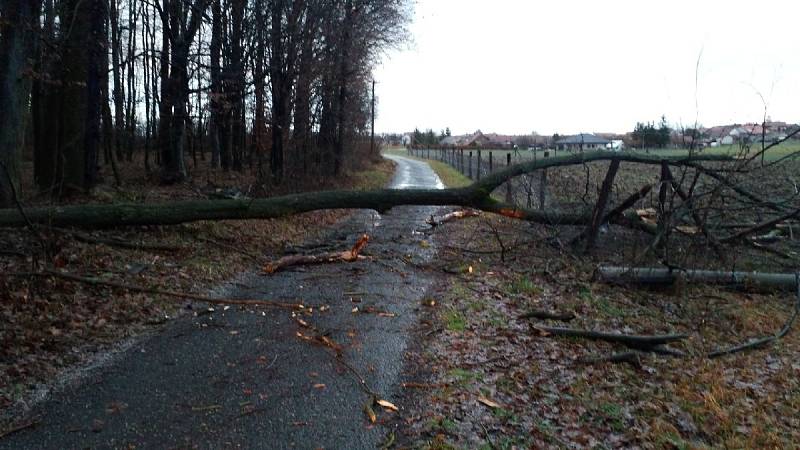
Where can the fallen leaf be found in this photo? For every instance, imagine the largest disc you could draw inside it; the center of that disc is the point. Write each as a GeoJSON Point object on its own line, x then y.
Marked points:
{"type": "Point", "coordinates": [387, 405]}
{"type": "Point", "coordinates": [489, 403]}
{"type": "Point", "coordinates": [370, 413]}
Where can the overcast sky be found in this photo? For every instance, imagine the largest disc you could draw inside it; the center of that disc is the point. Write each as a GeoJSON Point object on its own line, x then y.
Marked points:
{"type": "Point", "coordinates": [569, 66]}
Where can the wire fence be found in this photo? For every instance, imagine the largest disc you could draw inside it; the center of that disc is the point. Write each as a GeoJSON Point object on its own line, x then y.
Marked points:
{"type": "Point", "coordinates": [475, 163]}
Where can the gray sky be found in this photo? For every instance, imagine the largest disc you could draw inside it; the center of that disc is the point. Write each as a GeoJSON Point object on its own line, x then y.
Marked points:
{"type": "Point", "coordinates": [568, 66]}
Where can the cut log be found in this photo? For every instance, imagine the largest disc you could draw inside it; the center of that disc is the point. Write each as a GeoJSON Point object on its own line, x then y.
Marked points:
{"type": "Point", "coordinates": [629, 340]}
{"type": "Point", "coordinates": [663, 276]}
{"type": "Point", "coordinates": [477, 196]}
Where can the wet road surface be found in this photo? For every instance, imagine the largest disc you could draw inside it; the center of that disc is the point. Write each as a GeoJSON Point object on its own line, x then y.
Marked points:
{"type": "Point", "coordinates": [242, 378]}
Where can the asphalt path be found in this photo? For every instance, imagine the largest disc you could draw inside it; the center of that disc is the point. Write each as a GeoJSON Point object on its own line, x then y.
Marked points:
{"type": "Point", "coordinates": [242, 377]}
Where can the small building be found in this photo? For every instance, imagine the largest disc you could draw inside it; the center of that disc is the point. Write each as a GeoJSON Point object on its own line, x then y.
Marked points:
{"type": "Point", "coordinates": [582, 142]}
{"type": "Point", "coordinates": [616, 145]}
{"type": "Point", "coordinates": [450, 141]}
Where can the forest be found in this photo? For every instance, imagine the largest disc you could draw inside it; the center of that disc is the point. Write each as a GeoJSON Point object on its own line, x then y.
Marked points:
{"type": "Point", "coordinates": [279, 88]}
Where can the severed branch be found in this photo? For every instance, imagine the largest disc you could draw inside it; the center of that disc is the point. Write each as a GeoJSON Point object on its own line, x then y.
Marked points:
{"type": "Point", "coordinates": [455, 215]}
{"type": "Point", "coordinates": [146, 290]}
{"type": "Point", "coordinates": [351, 255]}
{"type": "Point", "coordinates": [762, 226]}
{"type": "Point", "coordinates": [736, 188]}
{"type": "Point", "coordinates": [599, 209]}
{"type": "Point", "coordinates": [114, 242]}
{"type": "Point", "coordinates": [761, 342]}
{"type": "Point", "coordinates": [544, 315]}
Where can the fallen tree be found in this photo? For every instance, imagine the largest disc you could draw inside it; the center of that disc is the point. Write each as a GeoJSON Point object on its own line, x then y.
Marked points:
{"type": "Point", "coordinates": [477, 196]}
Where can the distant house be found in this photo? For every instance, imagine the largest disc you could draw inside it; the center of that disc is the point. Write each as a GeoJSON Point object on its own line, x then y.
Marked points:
{"type": "Point", "coordinates": [450, 141]}
{"type": "Point", "coordinates": [476, 139]}
{"type": "Point", "coordinates": [500, 140]}
{"type": "Point", "coordinates": [582, 142]}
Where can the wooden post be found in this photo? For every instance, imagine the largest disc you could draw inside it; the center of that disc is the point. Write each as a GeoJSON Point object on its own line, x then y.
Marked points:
{"type": "Point", "coordinates": [469, 174]}
{"type": "Point", "coordinates": [509, 198]}
{"type": "Point", "coordinates": [478, 166]}
{"type": "Point", "coordinates": [543, 183]}
{"type": "Point", "coordinates": [461, 161]}
{"type": "Point", "coordinates": [543, 189]}
{"type": "Point", "coordinates": [491, 164]}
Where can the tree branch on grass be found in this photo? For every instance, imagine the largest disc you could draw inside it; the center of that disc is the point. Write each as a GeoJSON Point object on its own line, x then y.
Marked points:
{"type": "Point", "coordinates": [166, 293]}
{"type": "Point", "coordinates": [761, 342]}
{"type": "Point", "coordinates": [640, 342]}
{"type": "Point", "coordinates": [115, 242]}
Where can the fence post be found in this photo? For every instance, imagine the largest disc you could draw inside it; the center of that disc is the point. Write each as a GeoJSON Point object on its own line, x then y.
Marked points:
{"type": "Point", "coordinates": [478, 171]}
{"type": "Point", "coordinates": [461, 161]}
{"type": "Point", "coordinates": [491, 164]}
{"type": "Point", "coordinates": [469, 174]}
{"type": "Point", "coordinates": [543, 184]}
{"type": "Point", "coordinates": [509, 198]}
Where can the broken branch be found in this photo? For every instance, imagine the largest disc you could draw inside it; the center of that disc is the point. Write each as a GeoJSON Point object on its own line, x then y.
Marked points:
{"type": "Point", "coordinates": [166, 293]}
{"type": "Point", "coordinates": [630, 340]}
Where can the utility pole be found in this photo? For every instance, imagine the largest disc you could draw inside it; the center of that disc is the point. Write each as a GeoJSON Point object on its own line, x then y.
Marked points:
{"type": "Point", "coordinates": [372, 136]}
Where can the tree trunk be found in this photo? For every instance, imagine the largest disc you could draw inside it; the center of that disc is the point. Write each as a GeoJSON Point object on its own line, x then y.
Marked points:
{"type": "Point", "coordinates": [116, 68]}
{"type": "Point", "coordinates": [75, 93]}
{"type": "Point", "coordinates": [96, 65]}
{"type": "Point", "coordinates": [16, 44]}
{"type": "Point", "coordinates": [277, 72]}
{"type": "Point", "coordinates": [45, 107]}
{"type": "Point", "coordinates": [216, 85]}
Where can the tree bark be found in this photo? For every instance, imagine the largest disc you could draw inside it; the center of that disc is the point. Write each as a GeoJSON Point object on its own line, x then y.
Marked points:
{"type": "Point", "coordinates": [16, 45]}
